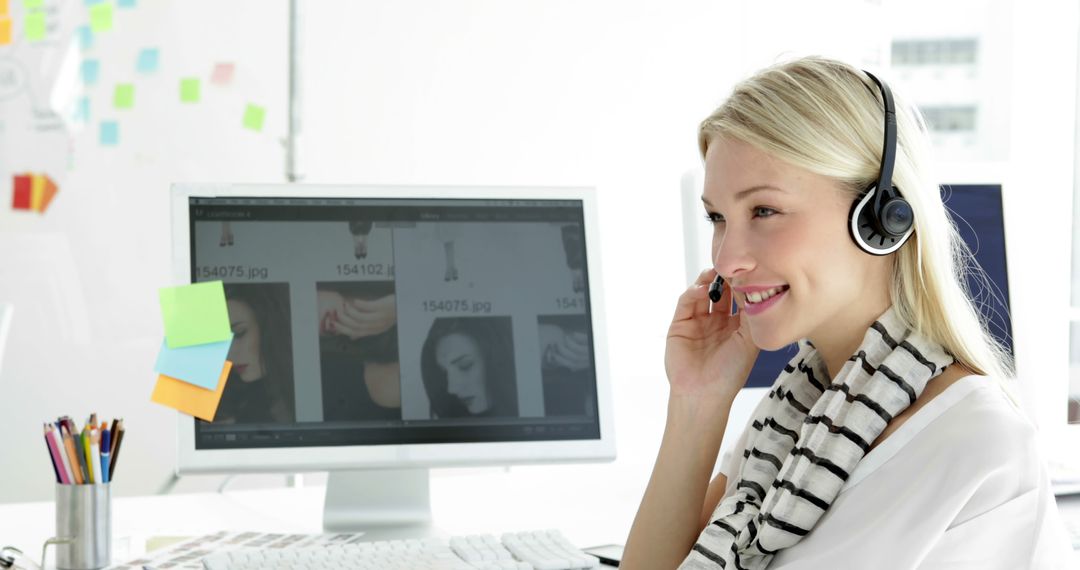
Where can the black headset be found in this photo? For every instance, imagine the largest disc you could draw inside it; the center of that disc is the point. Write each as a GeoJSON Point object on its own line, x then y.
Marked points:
{"type": "Point", "coordinates": [881, 221]}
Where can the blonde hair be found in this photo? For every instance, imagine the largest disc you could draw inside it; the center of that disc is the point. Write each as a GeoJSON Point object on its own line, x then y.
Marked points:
{"type": "Point", "coordinates": [827, 117]}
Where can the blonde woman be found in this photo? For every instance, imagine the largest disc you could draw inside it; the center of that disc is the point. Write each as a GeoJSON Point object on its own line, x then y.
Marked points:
{"type": "Point", "coordinates": [891, 439]}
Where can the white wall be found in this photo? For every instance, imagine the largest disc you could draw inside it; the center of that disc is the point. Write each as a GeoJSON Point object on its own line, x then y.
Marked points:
{"type": "Point", "coordinates": [537, 92]}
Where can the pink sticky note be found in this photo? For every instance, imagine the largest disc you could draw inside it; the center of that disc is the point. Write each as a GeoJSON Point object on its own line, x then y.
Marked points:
{"type": "Point", "coordinates": [223, 74]}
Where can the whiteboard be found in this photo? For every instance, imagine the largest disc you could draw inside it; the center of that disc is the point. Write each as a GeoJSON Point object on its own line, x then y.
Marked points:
{"type": "Point", "coordinates": [83, 276]}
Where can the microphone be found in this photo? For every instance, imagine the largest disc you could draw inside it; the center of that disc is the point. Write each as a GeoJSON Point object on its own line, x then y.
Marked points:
{"type": "Point", "coordinates": [714, 288]}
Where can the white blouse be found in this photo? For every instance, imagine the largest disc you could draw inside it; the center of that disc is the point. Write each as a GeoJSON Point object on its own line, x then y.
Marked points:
{"type": "Point", "coordinates": [960, 484]}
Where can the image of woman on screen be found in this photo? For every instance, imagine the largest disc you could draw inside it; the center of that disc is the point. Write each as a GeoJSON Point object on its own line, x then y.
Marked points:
{"type": "Point", "coordinates": [260, 386]}
{"type": "Point", "coordinates": [467, 365]}
{"type": "Point", "coordinates": [358, 351]}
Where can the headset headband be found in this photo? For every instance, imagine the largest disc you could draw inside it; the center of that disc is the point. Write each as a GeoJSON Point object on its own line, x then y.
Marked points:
{"type": "Point", "coordinates": [888, 150]}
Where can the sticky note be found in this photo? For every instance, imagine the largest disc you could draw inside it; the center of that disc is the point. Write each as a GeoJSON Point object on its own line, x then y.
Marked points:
{"type": "Point", "coordinates": [189, 398]}
{"type": "Point", "coordinates": [42, 191]}
{"type": "Point", "coordinates": [148, 60]}
{"type": "Point", "coordinates": [222, 74]}
{"type": "Point", "coordinates": [110, 133]}
{"type": "Point", "coordinates": [20, 198]}
{"type": "Point", "coordinates": [33, 4]}
{"type": "Point", "coordinates": [86, 37]}
{"type": "Point", "coordinates": [92, 2]}
{"type": "Point", "coordinates": [34, 26]}
{"type": "Point", "coordinates": [5, 30]}
{"type": "Point", "coordinates": [195, 314]}
{"type": "Point", "coordinates": [125, 3]}
{"type": "Point", "coordinates": [189, 90]}
{"type": "Point", "coordinates": [124, 96]}
{"type": "Point", "coordinates": [199, 364]}
{"type": "Point", "coordinates": [82, 110]}
{"type": "Point", "coordinates": [253, 117]}
{"type": "Point", "coordinates": [101, 17]}
{"type": "Point", "coordinates": [90, 68]}
{"type": "Point", "coordinates": [5, 9]}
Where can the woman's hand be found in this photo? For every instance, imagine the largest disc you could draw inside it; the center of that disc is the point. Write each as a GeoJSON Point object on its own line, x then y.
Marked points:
{"type": "Point", "coordinates": [329, 303]}
{"type": "Point", "coordinates": [566, 349]}
{"type": "Point", "coordinates": [359, 318]}
{"type": "Point", "coordinates": [707, 353]}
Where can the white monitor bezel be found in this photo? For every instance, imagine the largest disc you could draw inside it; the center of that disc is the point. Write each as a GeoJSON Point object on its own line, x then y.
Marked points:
{"type": "Point", "coordinates": [295, 460]}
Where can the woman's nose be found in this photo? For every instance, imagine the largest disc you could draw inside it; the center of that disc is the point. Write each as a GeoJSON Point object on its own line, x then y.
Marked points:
{"type": "Point", "coordinates": [453, 383]}
{"type": "Point", "coordinates": [731, 254]}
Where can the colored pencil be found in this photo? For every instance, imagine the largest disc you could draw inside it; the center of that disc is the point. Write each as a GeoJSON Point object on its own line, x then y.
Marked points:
{"type": "Point", "coordinates": [53, 455]}
{"type": "Point", "coordinates": [119, 435]}
{"type": "Point", "coordinates": [73, 455]}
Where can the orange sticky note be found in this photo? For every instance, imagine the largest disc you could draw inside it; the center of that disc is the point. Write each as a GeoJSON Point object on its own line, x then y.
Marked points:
{"type": "Point", "coordinates": [189, 398]}
{"type": "Point", "coordinates": [5, 30]}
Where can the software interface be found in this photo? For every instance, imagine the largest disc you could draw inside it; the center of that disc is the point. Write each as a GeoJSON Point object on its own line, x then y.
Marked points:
{"type": "Point", "coordinates": [374, 321]}
{"type": "Point", "coordinates": [976, 210]}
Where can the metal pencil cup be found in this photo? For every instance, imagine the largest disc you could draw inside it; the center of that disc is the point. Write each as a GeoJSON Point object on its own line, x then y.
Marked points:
{"type": "Point", "coordinates": [84, 518]}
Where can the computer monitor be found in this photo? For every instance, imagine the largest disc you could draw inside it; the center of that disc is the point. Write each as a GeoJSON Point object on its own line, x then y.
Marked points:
{"type": "Point", "coordinates": [380, 331]}
{"type": "Point", "coordinates": [975, 208]}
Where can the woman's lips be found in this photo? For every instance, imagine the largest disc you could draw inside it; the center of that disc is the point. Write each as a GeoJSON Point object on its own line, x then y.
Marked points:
{"type": "Point", "coordinates": [758, 308]}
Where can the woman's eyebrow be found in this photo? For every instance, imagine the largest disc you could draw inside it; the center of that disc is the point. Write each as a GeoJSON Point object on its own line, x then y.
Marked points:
{"type": "Point", "coordinates": [745, 193]}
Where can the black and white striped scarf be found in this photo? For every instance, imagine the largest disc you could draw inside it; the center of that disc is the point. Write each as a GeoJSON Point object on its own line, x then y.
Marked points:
{"type": "Point", "coordinates": [807, 438]}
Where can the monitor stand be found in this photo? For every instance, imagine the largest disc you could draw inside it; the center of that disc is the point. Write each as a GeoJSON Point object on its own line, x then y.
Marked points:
{"type": "Point", "coordinates": [384, 504]}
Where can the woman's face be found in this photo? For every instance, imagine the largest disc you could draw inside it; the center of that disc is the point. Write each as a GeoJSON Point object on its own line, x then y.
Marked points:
{"type": "Point", "coordinates": [459, 355]}
{"type": "Point", "coordinates": [791, 235]}
{"type": "Point", "coordinates": [244, 352]}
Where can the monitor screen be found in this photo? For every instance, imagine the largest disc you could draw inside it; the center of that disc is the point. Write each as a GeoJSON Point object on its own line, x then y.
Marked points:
{"type": "Point", "coordinates": [373, 321]}
{"type": "Point", "coordinates": [977, 212]}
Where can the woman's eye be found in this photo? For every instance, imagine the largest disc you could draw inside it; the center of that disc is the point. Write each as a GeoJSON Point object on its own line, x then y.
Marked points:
{"type": "Point", "coordinates": [763, 212]}
{"type": "Point", "coordinates": [713, 218]}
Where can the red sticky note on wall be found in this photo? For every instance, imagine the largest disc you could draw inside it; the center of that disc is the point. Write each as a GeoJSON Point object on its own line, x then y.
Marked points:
{"type": "Point", "coordinates": [20, 200]}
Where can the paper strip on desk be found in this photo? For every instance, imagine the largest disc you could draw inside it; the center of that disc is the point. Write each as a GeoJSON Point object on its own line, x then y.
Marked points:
{"type": "Point", "coordinates": [189, 398]}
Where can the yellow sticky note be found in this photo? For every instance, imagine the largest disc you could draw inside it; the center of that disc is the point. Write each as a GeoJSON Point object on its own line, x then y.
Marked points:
{"type": "Point", "coordinates": [5, 30]}
{"type": "Point", "coordinates": [37, 192]}
{"type": "Point", "coordinates": [189, 398]}
{"type": "Point", "coordinates": [4, 8]}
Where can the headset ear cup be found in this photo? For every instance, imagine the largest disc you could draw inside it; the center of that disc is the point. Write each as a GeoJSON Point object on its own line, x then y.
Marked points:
{"type": "Point", "coordinates": [864, 228]}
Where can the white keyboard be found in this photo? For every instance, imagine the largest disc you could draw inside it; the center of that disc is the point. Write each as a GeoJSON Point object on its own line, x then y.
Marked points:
{"type": "Point", "coordinates": [539, 550]}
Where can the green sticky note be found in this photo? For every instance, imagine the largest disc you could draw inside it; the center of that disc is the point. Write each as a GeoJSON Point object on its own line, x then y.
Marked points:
{"type": "Point", "coordinates": [33, 4]}
{"type": "Point", "coordinates": [253, 117]}
{"type": "Point", "coordinates": [34, 26]}
{"type": "Point", "coordinates": [124, 96]}
{"type": "Point", "coordinates": [194, 314]}
{"type": "Point", "coordinates": [189, 90]}
{"type": "Point", "coordinates": [101, 17]}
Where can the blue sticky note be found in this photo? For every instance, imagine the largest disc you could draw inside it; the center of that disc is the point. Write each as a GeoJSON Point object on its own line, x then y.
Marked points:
{"type": "Point", "coordinates": [200, 364]}
{"type": "Point", "coordinates": [110, 133]}
{"type": "Point", "coordinates": [86, 37]}
{"type": "Point", "coordinates": [82, 110]}
{"type": "Point", "coordinates": [90, 69]}
{"type": "Point", "coordinates": [148, 60]}
{"type": "Point", "coordinates": [125, 3]}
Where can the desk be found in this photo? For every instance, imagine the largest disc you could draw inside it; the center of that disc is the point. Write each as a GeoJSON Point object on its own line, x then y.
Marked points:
{"type": "Point", "coordinates": [456, 507]}
{"type": "Point", "coordinates": [474, 501]}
